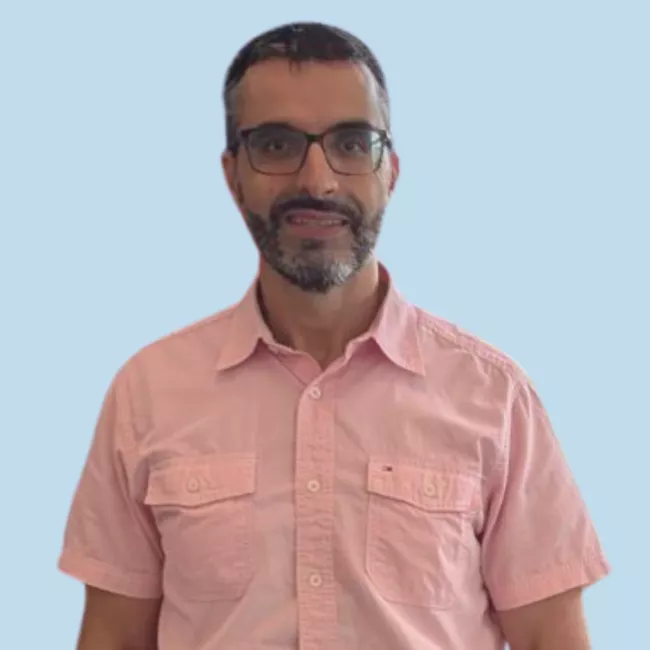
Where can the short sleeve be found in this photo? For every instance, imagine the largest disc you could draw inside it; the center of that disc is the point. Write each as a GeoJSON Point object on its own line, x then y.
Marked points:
{"type": "Point", "coordinates": [538, 539]}
{"type": "Point", "coordinates": [110, 540]}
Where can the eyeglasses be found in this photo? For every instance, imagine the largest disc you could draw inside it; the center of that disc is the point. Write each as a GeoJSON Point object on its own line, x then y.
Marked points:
{"type": "Point", "coordinates": [350, 149]}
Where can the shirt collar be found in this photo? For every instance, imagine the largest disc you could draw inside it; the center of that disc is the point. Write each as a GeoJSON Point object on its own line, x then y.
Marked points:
{"type": "Point", "coordinates": [395, 330]}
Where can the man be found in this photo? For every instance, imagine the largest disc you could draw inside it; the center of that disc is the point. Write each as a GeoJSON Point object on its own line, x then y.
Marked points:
{"type": "Point", "coordinates": [324, 466]}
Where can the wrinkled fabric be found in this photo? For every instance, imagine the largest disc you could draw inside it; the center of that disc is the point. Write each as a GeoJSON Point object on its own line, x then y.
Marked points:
{"type": "Point", "coordinates": [391, 502]}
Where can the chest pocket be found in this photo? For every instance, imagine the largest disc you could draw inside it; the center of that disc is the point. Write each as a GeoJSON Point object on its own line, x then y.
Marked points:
{"type": "Point", "coordinates": [204, 510]}
{"type": "Point", "coordinates": [418, 532]}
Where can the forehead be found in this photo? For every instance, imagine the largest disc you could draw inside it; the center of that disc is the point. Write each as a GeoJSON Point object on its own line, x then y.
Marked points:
{"type": "Point", "coordinates": [310, 96]}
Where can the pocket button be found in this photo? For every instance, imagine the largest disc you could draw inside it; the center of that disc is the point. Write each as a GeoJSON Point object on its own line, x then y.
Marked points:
{"type": "Point", "coordinates": [430, 489]}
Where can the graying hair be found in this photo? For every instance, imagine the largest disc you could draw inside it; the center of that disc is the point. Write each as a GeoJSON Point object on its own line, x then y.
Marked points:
{"type": "Point", "coordinates": [298, 43]}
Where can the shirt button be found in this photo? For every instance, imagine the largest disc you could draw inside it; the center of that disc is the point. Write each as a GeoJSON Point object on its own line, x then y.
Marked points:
{"type": "Point", "coordinates": [315, 392]}
{"type": "Point", "coordinates": [192, 485]}
{"type": "Point", "coordinates": [313, 485]}
{"type": "Point", "coordinates": [315, 580]}
{"type": "Point", "coordinates": [430, 490]}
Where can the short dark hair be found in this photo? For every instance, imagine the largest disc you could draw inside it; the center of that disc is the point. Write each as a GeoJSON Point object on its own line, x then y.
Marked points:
{"type": "Point", "coordinates": [298, 42]}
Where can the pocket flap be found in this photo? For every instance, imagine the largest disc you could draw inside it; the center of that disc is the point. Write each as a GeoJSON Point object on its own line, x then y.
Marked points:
{"type": "Point", "coordinates": [430, 489]}
{"type": "Point", "coordinates": [196, 481]}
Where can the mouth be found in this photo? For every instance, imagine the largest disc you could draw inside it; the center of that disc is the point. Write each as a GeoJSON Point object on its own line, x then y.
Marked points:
{"type": "Point", "coordinates": [315, 218]}
{"type": "Point", "coordinates": [315, 225]}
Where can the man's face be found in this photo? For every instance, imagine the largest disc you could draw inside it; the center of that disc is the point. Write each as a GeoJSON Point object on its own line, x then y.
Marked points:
{"type": "Point", "coordinates": [314, 225]}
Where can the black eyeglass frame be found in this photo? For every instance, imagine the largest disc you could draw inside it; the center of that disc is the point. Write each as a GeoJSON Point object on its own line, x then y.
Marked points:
{"type": "Point", "coordinates": [311, 138]}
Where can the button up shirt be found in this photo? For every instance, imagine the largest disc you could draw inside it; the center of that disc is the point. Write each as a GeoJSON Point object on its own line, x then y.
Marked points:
{"type": "Point", "coordinates": [392, 501]}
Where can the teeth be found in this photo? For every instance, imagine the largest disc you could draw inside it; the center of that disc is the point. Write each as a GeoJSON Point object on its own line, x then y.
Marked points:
{"type": "Point", "coordinates": [316, 222]}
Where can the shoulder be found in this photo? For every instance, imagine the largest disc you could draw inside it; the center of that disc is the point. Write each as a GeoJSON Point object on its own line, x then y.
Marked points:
{"type": "Point", "coordinates": [182, 360]}
{"type": "Point", "coordinates": [442, 339]}
{"type": "Point", "coordinates": [203, 338]}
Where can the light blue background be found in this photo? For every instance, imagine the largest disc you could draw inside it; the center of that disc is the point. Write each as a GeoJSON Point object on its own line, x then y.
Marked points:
{"type": "Point", "coordinates": [522, 215]}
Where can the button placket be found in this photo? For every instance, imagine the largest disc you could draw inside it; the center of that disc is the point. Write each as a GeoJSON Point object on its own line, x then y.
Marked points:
{"type": "Point", "coordinates": [315, 453]}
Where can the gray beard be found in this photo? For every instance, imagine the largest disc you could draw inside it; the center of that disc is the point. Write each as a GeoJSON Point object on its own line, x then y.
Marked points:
{"type": "Point", "coordinates": [314, 269]}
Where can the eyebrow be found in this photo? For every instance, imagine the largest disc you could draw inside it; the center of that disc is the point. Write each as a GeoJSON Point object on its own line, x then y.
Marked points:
{"type": "Point", "coordinates": [353, 123]}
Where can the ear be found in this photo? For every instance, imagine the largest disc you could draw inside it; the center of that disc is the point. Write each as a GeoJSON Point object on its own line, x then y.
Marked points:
{"type": "Point", "coordinates": [394, 164]}
{"type": "Point", "coordinates": [229, 167]}
{"type": "Point", "coordinates": [231, 174]}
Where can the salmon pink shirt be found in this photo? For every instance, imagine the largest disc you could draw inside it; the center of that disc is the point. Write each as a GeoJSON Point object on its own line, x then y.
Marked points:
{"type": "Point", "coordinates": [393, 501]}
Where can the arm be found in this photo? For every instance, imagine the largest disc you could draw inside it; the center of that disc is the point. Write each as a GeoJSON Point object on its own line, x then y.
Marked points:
{"type": "Point", "coordinates": [111, 541]}
{"type": "Point", "coordinates": [115, 622]}
{"type": "Point", "coordinates": [556, 623]}
{"type": "Point", "coordinates": [539, 545]}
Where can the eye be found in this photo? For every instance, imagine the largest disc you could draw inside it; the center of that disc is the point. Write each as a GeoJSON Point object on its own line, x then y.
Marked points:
{"type": "Point", "coordinates": [357, 142]}
{"type": "Point", "coordinates": [273, 145]}
{"type": "Point", "coordinates": [354, 146]}
{"type": "Point", "coordinates": [276, 143]}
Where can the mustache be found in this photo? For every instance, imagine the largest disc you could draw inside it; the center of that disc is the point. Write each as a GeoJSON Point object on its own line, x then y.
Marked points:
{"type": "Point", "coordinates": [349, 212]}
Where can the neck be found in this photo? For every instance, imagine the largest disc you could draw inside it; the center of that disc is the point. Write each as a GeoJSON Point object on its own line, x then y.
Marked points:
{"type": "Point", "coordinates": [321, 325]}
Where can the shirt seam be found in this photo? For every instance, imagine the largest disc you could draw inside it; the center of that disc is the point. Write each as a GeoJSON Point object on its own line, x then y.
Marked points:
{"type": "Point", "coordinates": [501, 466]}
{"type": "Point", "coordinates": [556, 578]}
{"type": "Point", "coordinates": [469, 344]}
{"type": "Point", "coordinates": [511, 372]}
{"type": "Point", "coordinates": [73, 559]}
{"type": "Point", "coordinates": [228, 312]}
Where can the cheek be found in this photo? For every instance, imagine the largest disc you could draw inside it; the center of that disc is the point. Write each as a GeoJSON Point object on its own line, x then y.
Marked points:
{"type": "Point", "coordinates": [257, 193]}
{"type": "Point", "coordinates": [373, 191]}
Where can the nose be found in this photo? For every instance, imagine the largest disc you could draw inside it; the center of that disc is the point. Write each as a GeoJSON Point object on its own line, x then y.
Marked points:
{"type": "Point", "coordinates": [316, 176]}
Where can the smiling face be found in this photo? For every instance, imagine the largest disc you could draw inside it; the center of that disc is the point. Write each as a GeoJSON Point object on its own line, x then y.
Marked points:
{"type": "Point", "coordinates": [316, 224]}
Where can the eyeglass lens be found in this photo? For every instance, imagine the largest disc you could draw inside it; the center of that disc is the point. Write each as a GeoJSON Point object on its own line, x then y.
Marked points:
{"type": "Point", "coordinates": [281, 150]}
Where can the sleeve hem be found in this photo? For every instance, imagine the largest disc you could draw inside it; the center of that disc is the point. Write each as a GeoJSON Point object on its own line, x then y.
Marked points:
{"type": "Point", "coordinates": [103, 576]}
{"type": "Point", "coordinates": [551, 583]}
